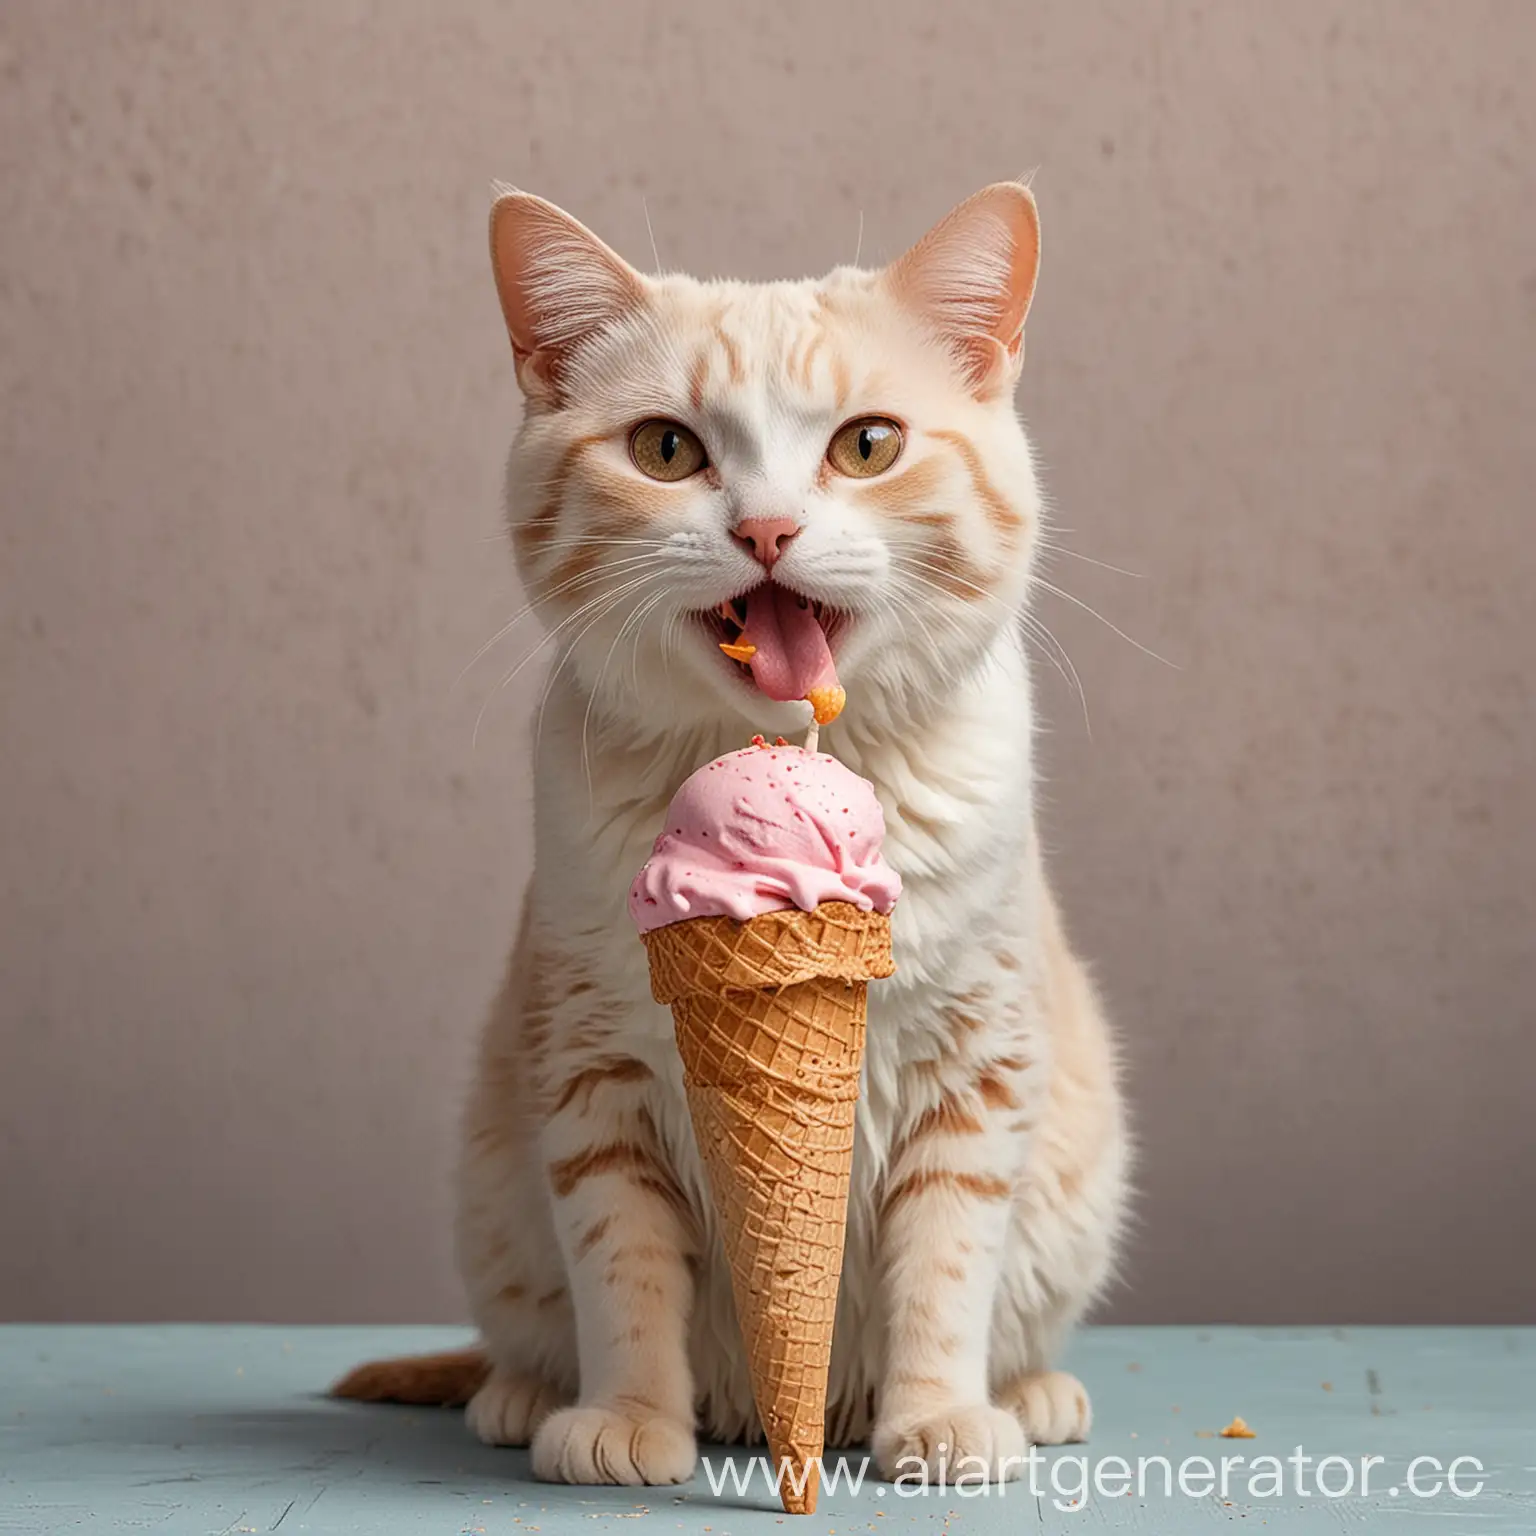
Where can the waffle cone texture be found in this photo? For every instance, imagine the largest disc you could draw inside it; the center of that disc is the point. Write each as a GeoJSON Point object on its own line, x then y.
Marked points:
{"type": "Point", "coordinates": [769, 1015]}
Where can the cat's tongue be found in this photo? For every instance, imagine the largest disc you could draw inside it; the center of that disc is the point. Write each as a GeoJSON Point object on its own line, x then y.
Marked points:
{"type": "Point", "coordinates": [793, 656]}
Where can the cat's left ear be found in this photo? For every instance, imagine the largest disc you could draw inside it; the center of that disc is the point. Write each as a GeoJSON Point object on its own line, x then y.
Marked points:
{"type": "Point", "coordinates": [972, 277]}
{"type": "Point", "coordinates": [559, 285]}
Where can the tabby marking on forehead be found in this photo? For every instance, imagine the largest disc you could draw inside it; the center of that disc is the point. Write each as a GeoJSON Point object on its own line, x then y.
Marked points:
{"type": "Point", "coordinates": [734, 370]}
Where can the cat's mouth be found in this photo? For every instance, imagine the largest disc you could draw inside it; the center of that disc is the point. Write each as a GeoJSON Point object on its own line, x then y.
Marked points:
{"type": "Point", "coordinates": [782, 640]}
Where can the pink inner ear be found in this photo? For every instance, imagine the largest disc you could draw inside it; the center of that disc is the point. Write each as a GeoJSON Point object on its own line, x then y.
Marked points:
{"type": "Point", "coordinates": [973, 275]}
{"type": "Point", "coordinates": [1023, 222]}
{"type": "Point", "coordinates": [557, 282]}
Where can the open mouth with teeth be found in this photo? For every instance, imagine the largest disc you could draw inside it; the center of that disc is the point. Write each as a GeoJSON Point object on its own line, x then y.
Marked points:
{"type": "Point", "coordinates": [779, 641]}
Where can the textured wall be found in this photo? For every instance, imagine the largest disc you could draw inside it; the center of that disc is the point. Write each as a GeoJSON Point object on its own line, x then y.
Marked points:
{"type": "Point", "coordinates": [255, 879]}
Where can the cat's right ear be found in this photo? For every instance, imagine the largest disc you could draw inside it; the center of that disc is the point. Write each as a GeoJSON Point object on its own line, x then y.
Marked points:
{"type": "Point", "coordinates": [558, 285]}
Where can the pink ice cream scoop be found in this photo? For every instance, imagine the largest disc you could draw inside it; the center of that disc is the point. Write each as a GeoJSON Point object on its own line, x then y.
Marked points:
{"type": "Point", "coordinates": [762, 829]}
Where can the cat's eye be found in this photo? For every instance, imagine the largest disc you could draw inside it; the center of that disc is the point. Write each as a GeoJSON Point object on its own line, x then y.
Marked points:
{"type": "Point", "coordinates": [868, 446]}
{"type": "Point", "coordinates": [666, 450]}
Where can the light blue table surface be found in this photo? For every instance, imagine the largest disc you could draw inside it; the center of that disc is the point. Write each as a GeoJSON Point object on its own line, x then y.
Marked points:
{"type": "Point", "coordinates": [224, 1430]}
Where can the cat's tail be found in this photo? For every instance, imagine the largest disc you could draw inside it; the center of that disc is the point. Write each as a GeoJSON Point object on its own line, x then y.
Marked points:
{"type": "Point", "coordinates": [447, 1380]}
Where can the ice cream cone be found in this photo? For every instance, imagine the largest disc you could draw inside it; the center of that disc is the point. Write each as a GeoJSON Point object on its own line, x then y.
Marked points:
{"type": "Point", "coordinates": [765, 909]}
{"type": "Point", "coordinates": [769, 1015]}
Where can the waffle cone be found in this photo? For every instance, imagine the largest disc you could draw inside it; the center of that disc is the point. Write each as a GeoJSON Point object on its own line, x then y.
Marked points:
{"type": "Point", "coordinates": [769, 1016]}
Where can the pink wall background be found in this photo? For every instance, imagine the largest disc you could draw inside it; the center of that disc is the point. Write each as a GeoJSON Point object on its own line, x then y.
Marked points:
{"type": "Point", "coordinates": [255, 881]}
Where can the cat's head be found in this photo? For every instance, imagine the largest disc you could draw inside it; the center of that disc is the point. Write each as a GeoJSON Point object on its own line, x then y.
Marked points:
{"type": "Point", "coordinates": [834, 463]}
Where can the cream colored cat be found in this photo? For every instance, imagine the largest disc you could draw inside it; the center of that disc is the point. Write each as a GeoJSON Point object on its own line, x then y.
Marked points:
{"type": "Point", "coordinates": [852, 438]}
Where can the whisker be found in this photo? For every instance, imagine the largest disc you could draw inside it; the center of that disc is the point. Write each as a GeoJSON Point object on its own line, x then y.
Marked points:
{"type": "Point", "coordinates": [642, 604]}
{"type": "Point", "coordinates": [902, 579]}
{"type": "Point", "coordinates": [1040, 581]}
{"type": "Point", "coordinates": [565, 623]}
{"type": "Point", "coordinates": [906, 561]}
{"type": "Point", "coordinates": [1050, 647]}
{"type": "Point", "coordinates": [609, 604]}
{"type": "Point", "coordinates": [549, 682]}
{"type": "Point", "coordinates": [645, 208]}
{"type": "Point", "coordinates": [585, 578]}
{"type": "Point", "coordinates": [1033, 629]}
{"type": "Point", "coordinates": [669, 637]}
{"type": "Point", "coordinates": [602, 541]}
{"type": "Point", "coordinates": [1103, 565]}
{"type": "Point", "coordinates": [940, 570]}
{"type": "Point", "coordinates": [904, 582]}
{"type": "Point", "coordinates": [634, 650]}
{"type": "Point", "coordinates": [900, 617]}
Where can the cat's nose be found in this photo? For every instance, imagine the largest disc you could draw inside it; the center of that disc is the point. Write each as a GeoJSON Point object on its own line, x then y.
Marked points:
{"type": "Point", "coordinates": [766, 538]}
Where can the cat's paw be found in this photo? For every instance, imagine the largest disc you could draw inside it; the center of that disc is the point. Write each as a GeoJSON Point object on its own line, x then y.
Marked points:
{"type": "Point", "coordinates": [958, 1443]}
{"type": "Point", "coordinates": [510, 1407]}
{"type": "Point", "coordinates": [1052, 1406]}
{"type": "Point", "coordinates": [607, 1445]}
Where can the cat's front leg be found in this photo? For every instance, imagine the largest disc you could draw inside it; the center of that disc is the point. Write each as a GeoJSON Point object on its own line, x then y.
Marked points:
{"type": "Point", "coordinates": [628, 1245]}
{"type": "Point", "coordinates": [944, 1221]}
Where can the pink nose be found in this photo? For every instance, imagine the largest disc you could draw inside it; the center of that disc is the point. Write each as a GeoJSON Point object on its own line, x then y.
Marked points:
{"type": "Point", "coordinates": [766, 538]}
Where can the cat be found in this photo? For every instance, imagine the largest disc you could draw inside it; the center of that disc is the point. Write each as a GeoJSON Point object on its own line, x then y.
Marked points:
{"type": "Point", "coordinates": [854, 439]}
